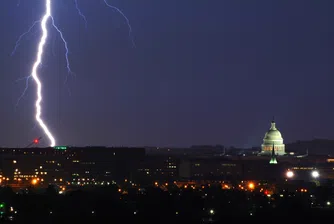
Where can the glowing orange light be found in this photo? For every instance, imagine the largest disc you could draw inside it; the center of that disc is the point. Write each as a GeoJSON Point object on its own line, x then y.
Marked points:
{"type": "Point", "coordinates": [34, 181]}
{"type": "Point", "coordinates": [251, 186]}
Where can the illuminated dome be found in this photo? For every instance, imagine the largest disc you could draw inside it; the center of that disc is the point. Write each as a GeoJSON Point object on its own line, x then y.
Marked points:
{"type": "Point", "coordinates": [273, 134]}
{"type": "Point", "coordinates": [273, 137]}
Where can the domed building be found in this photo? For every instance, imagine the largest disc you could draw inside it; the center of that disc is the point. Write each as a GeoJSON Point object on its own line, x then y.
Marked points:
{"type": "Point", "coordinates": [273, 138]}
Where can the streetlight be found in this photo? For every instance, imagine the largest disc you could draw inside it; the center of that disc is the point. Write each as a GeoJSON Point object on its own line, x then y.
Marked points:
{"type": "Point", "coordinates": [315, 174]}
{"type": "Point", "coordinates": [251, 186]}
{"type": "Point", "coordinates": [34, 181]}
{"type": "Point", "coordinates": [289, 174]}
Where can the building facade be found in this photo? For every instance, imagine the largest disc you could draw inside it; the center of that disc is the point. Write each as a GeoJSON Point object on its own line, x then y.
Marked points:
{"type": "Point", "coordinates": [273, 138]}
{"type": "Point", "coordinates": [68, 165]}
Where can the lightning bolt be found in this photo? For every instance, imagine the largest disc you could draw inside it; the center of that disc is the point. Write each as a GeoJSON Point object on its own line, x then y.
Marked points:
{"type": "Point", "coordinates": [115, 9]}
{"type": "Point", "coordinates": [80, 12]}
{"type": "Point", "coordinates": [38, 62]}
{"type": "Point", "coordinates": [65, 45]}
{"type": "Point", "coordinates": [25, 89]}
{"type": "Point", "coordinates": [27, 78]}
{"type": "Point", "coordinates": [125, 18]}
{"type": "Point", "coordinates": [18, 42]}
{"type": "Point", "coordinates": [40, 50]}
{"type": "Point", "coordinates": [34, 73]}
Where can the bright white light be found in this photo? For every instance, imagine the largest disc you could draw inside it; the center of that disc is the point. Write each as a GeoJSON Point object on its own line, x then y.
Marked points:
{"type": "Point", "coordinates": [212, 212]}
{"type": "Point", "coordinates": [315, 174]}
{"type": "Point", "coordinates": [34, 74]}
{"type": "Point", "coordinates": [328, 203]}
{"type": "Point", "coordinates": [289, 174]}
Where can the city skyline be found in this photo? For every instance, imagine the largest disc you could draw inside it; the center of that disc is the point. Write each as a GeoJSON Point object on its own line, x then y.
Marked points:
{"type": "Point", "coordinates": [196, 77]}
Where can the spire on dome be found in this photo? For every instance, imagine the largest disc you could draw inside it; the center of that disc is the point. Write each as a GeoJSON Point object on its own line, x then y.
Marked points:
{"type": "Point", "coordinates": [273, 159]}
{"type": "Point", "coordinates": [273, 125]}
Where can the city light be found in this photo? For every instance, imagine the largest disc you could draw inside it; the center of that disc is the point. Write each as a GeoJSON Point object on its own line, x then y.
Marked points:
{"type": "Point", "coordinates": [315, 174]}
{"type": "Point", "coordinates": [251, 186]}
{"type": "Point", "coordinates": [289, 174]}
{"type": "Point", "coordinates": [34, 181]}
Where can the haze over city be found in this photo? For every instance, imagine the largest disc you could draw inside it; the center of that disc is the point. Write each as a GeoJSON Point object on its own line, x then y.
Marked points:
{"type": "Point", "coordinates": [201, 73]}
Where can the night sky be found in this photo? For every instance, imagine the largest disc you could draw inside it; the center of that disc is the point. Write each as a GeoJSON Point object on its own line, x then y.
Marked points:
{"type": "Point", "coordinates": [202, 72]}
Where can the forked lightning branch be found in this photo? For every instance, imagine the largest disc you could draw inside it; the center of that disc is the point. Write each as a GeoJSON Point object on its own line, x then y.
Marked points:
{"type": "Point", "coordinates": [46, 19]}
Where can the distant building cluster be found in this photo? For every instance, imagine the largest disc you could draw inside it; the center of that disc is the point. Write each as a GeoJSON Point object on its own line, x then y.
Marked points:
{"type": "Point", "coordinates": [89, 166]}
